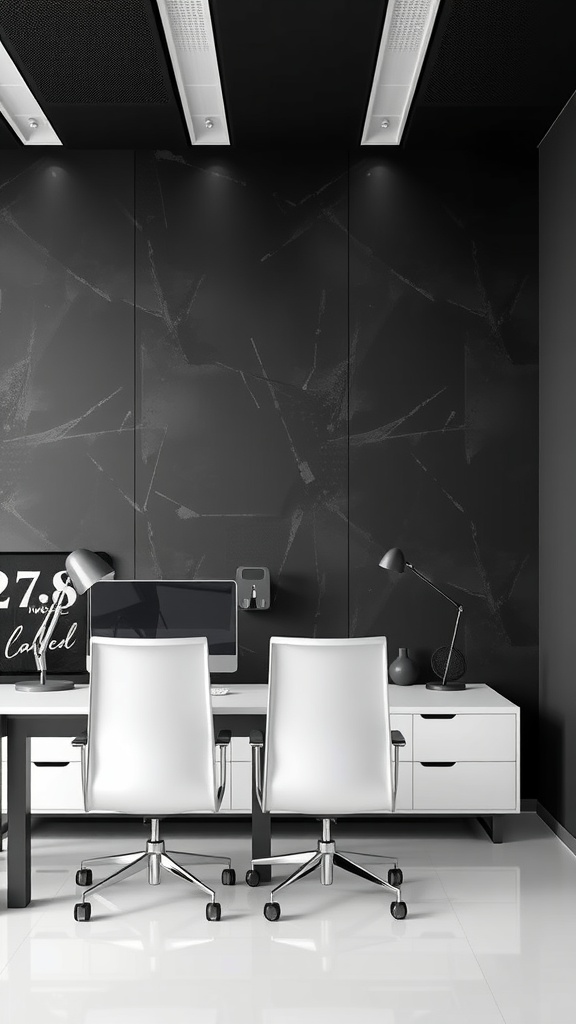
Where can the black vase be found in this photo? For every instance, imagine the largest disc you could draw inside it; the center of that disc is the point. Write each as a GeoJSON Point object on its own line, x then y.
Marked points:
{"type": "Point", "coordinates": [403, 671]}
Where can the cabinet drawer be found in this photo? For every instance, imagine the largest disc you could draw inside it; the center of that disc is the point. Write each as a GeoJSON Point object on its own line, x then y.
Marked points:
{"type": "Point", "coordinates": [49, 748]}
{"type": "Point", "coordinates": [465, 786]}
{"type": "Point", "coordinates": [404, 724]}
{"type": "Point", "coordinates": [465, 738]}
{"type": "Point", "coordinates": [56, 787]}
{"type": "Point", "coordinates": [241, 778]}
{"type": "Point", "coordinates": [240, 749]}
{"type": "Point", "coordinates": [53, 748]}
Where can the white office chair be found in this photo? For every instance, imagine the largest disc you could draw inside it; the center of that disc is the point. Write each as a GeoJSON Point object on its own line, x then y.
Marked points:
{"type": "Point", "coordinates": [329, 750]}
{"type": "Point", "coordinates": [150, 751]}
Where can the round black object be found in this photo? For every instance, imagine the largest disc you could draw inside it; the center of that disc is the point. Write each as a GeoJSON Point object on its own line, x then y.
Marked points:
{"type": "Point", "coordinates": [213, 911]}
{"type": "Point", "coordinates": [84, 877]}
{"type": "Point", "coordinates": [398, 910]}
{"type": "Point", "coordinates": [457, 666]}
{"type": "Point", "coordinates": [82, 911]}
{"type": "Point", "coordinates": [252, 878]}
{"type": "Point", "coordinates": [272, 911]}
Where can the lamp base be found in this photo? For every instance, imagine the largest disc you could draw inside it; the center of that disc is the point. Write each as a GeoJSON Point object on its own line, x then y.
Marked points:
{"type": "Point", "coordinates": [445, 686]}
{"type": "Point", "coordinates": [50, 686]}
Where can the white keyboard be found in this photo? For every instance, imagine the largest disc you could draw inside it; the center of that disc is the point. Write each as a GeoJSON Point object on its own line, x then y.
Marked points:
{"type": "Point", "coordinates": [219, 691]}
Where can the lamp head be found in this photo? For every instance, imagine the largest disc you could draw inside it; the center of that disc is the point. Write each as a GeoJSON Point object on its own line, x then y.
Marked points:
{"type": "Point", "coordinates": [85, 568]}
{"type": "Point", "coordinates": [393, 560]}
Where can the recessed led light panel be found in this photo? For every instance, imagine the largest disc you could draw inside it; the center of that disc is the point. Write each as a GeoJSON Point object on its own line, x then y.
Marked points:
{"type": "Point", "coordinates": [20, 109]}
{"type": "Point", "coordinates": [405, 37]}
{"type": "Point", "coordinates": [188, 29]}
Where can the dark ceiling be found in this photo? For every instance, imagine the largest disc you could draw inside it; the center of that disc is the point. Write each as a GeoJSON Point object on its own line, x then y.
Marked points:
{"type": "Point", "coordinates": [294, 72]}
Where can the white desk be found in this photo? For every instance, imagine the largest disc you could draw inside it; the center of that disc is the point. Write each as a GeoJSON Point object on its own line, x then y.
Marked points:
{"type": "Point", "coordinates": [462, 755]}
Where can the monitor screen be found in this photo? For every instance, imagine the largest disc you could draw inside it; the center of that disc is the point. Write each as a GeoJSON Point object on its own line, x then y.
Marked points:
{"type": "Point", "coordinates": [170, 608]}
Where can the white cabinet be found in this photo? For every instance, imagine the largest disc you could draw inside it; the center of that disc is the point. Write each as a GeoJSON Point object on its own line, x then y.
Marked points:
{"type": "Point", "coordinates": [465, 749]}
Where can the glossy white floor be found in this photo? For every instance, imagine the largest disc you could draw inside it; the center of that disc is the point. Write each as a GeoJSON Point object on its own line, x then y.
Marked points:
{"type": "Point", "coordinates": [489, 938]}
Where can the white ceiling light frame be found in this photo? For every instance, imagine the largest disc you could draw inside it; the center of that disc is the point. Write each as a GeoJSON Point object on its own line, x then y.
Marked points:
{"type": "Point", "coordinates": [20, 109]}
{"type": "Point", "coordinates": [190, 38]}
{"type": "Point", "coordinates": [406, 35]}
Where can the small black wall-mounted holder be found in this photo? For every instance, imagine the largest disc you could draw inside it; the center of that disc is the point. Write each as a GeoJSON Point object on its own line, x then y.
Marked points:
{"type": "Point", "coordinates": [253, 588]}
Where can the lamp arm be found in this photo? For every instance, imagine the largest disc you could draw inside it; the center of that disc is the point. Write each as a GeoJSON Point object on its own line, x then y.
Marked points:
{"type": "Point", "coordinates": [46, 631]}
{"type": "Point", "coordinates": [433, 585]}
{"type": "Point", "coordinates": [452, 644]}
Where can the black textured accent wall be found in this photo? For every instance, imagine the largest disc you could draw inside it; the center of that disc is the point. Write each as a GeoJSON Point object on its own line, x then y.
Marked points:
{"type": "Point", "coordinates": [327, 356]}
{"type": "Point", "coordinates": [444, 410]}
{"type": "Point", "coordinates": [557, 748]}
{"type": "Point", "coordinates": [67, 352]}
{"type": "Point", "coordinates": [242, 363]}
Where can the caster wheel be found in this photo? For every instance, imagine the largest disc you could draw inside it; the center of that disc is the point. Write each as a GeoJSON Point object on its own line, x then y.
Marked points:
{"type": "Point", "coordinates": [213, 911]}
{"type": "Point", "coordinates": [399, 910]}
{"type": "Point", "coordinates": [84, 877]}
{"type": "Point", "coordinates": [82, 912]}
{"type": "Point", "coordinates": [272, 911]}
{"type": "Point", "coordinates": [252, 878]}
{"type": "Point", "coordinates": [228, 876]}
{"type": "Point", "coordinates": [395, 877]}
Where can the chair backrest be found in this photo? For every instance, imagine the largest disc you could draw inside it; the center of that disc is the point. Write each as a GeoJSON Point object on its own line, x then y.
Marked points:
{"type": "Point", "coordinates": [150, 747]}
{"type": "Point", "coordinates": [328, 746]}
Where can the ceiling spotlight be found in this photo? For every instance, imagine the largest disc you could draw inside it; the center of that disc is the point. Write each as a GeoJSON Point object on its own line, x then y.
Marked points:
{"type": "Point", "coordinates": [32, 123]}
{"type": "Point", "coordinates": [406, 34]}
{"type": "Point", "coordinates": [189, 35]}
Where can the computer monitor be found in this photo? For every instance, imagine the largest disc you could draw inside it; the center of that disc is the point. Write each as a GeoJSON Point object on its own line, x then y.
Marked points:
{"type": "Point", "coordinates": [170, 608]}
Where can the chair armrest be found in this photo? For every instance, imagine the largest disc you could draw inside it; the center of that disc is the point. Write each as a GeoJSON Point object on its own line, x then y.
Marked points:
{"type": "Point", "coordinates": [82, 742]}
{"type": "Point", "coordinates": [397, 742]}
{"type": "Point", "coordinates": [257, 743]}
{"type": "Point", "coordinates": [222, 741]}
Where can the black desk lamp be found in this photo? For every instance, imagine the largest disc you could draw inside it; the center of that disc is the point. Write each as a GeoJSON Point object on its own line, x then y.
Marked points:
{"type": "Point", "coordinates": [84, 568]}
{"type": "Point", "coordinates": [394, 561]}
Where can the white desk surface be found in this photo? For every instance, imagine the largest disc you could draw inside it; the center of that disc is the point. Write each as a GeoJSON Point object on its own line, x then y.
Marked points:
{"type": "Point", "coordinates": [243, 699]}
{"type": "Point", "coordinates": [251, 698]}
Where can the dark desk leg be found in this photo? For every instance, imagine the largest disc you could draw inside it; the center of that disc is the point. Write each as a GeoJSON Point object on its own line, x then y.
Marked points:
{"type": "Point", "coordinates": [19, 811]}
{"type": "Point", "coordinates": [493, 825]}
{"type": "Point", "coordinates": [261, 831]}
{"type": "Point", "coordinates": [3, 824]}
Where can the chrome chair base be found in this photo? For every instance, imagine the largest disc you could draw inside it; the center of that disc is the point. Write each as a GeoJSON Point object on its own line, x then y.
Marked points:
{"type": "Point", "coordinates": [153, 860]}
{"type": "Point", "coordinates": [325, 857]}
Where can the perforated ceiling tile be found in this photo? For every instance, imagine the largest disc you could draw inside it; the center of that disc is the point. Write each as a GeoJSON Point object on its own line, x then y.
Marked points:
{"type": "Point", "coordinates": [87, 51]}
{"type": "Point", "coordinates": [488, 59]}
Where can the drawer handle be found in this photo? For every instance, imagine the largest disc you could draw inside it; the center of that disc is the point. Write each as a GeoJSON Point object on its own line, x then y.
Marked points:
{"type": "Point", "coordinates": [437, 764]}
{"type": "Point", "coordinates": [437, 716]}
{"type": "Point", "coordinates": [51, 764]}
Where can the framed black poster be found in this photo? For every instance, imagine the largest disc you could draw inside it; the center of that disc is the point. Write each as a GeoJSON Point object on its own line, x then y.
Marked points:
{"type": "Point", "coordinates": [29, 584]}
